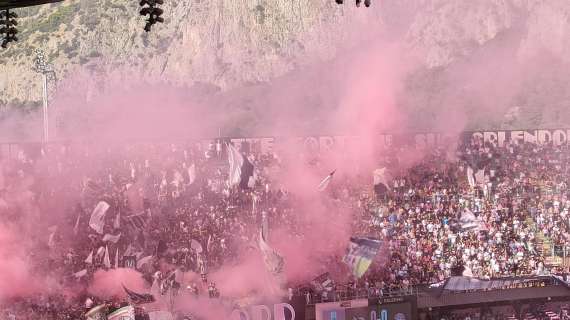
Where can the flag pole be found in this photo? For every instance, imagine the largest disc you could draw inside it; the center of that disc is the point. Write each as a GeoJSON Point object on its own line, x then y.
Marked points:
{"type": "Point", "coordinates": [171, 306]}
{"type": "Point", "coordinates": [264, 226]}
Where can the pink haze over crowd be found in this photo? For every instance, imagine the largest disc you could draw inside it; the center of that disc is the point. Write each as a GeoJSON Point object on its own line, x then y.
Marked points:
{"type": "Point", "coordinates": [366, 82]}
{"type": "Point", "coordinates": [363, 85]}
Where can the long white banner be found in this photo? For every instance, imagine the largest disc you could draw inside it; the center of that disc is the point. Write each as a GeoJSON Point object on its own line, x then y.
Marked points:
{"type": "Point", "coordinates": [418, 140]}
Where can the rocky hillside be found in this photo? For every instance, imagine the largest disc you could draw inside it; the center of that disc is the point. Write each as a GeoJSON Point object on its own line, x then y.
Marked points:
{"type": "Point", "coordinates": [230, 43]}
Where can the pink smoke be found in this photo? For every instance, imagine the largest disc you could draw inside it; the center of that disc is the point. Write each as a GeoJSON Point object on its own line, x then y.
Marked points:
{"type": "Point", "coordinates": [16, 277]}
{"type": "Point", "coordinates": [247, 277]}
{"type": "Point", "coordinates": [368, 82]}
{"type": "Point", "coordinates": [357, 94]}
{"type": "Point", "coordinates": [109, 284]}
{"type": "Point", "coordinates": [203, 307]}
{"type": "Point", "coordinates": [126, 109]}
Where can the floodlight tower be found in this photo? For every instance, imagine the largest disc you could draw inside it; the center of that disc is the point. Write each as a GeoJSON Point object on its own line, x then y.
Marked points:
{"type": "Point", "coordinates": [48, 74]}
{"type": "Point", "coordinates": [358, 2]}
{"type": "Point", "coordinates": [8, 29]}
{"type": "Point", "coordinates": [150, 9]}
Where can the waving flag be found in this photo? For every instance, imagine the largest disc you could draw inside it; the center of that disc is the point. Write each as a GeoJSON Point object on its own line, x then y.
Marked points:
{"type": "Point", "coordinates": [241, 170]}
{"type": "Point", "coordinates": [361, 251]}
{"type": "Point", "coordinates": [100, 252]}
{"type": "Point", "coordinates": [196, 246]}
{"type": "Point", "coordinates": [169, 284]}
{"type": "Point", "coordinates": [80, 274]}
{"type": "Point", "coordinates": [97, 221]}
{"type": "Point", "coordinates": [470, 222]}
{"type": "Point", "coordinates": [236, 162]}
{"type": "Point", "coordinates": [381, 177]}
{"type": "Point", "coordinates": [76, 227]}
{"type": "Point", "coordinates": [273, 260]}
{"type": "Point", "coordinates": [117, 222]}
{"type": "Point", "coordinates": [89, 259]}
{"type": "Point", "coordinates": [111, 238]}
{"type": "Point", "coordinates": [323, 282]}
{"type": "Point", "coordinates": [191, 174]}
{"type": "Point", "coordinates": [125, 313]}
{"type": "Point", "coordinates": [381, 184]}
{"type": "Point", "coordinates": [91, 193]}
{"type": "Point", "coordinates": [139, 298]}
{"type": "Point", "coordinates": [326, 181]}
{"type": "Point", "coordinates": [97, 313]}
{"type": "Point", "coordinates": [248, 175]}
{"type": "Point", "coordinates": [137, 222]}
{"type": "Point", "coordinates": [480, 177]}
{"type": "Point", "coordinates": [106, 259]}
{"type": "Point", "coordinates": [471, 177]}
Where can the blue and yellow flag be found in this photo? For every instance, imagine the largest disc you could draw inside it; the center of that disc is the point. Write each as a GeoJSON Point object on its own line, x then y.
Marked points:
{"type": "Point", "coordinates": [360, 254]}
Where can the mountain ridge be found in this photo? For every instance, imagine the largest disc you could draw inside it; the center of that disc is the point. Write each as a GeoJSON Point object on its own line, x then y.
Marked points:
{"type": "Point", "coordinates": [233, 43]}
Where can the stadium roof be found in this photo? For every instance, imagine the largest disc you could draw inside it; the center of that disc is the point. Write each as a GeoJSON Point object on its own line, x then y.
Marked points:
{"type": "Point", "coordinates": [473, 284]}
{"type": "Point", "coordinates": [10, 4]}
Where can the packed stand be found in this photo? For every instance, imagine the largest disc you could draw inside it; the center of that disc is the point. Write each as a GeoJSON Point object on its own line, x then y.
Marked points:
{"type": "Point", "coordinates": [171, 203]}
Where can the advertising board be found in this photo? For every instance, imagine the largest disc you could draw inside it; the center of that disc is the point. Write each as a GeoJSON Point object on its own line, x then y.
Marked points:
{"type": "Point", "coordinates": [396, 308]}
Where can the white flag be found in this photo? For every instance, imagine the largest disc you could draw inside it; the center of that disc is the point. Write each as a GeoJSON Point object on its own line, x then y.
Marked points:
{"type": "Point", "coordinates": [107, 260]}
{"type": "Point", "coordinates": [470, 222]}
{"type": "Point", "coordinates": [80, 274]}
{"type": "Point", "coordinates": [467, 216]}
{"type": "Point", "coordinates": [273, 260]}
{"type": "Point", "coordinates": [76, 226]}
{"type": "Point", "coordinates": [155, 286]}
{"type": "Point", "coordinates": [235, 160]}
{"type": "Point", "coordinates": [470, 177]}
{"type": "Point", "coordinates": [264, 225]}
{"type": "Point", "coordinates": [326, 181]}
{"type": "Point", "coordinates": [209, 243]}
{"type": "Point", "coordinates": [467, 272]}
{"type": "Point", "coordinates": [196, 246]}
{"type": "Point", "coordinates": [97, 221]}
{"type": "Point", "coordinates": [51, 240]}
{"type": "Point", "coordinates": [89, 259]}
{"type": "Point", "coordinates": [480, 177]}
{"type": "Point", "coordinates": [379, 176]}
{"type": "Point", "coordinates": [117, 222]}
{"type": "Point", "coordinates": [111, 238]}
{"type": "Point", "coordinates": [252, 180]}
{"type": "Point", "coordinates": [191, 174]}
{"type": "Point", "coordinates": [100, 251]}
{"type": "Point", "coordinates": [178, 179]}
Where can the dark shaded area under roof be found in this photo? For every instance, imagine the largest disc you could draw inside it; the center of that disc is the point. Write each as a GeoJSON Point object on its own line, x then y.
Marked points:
{"type": "Point", "coordinates": [465, 291]}
{"type": "Point", "coordinates": [10, 4]}
{"type": "Point", "coordinates": [469, 283]}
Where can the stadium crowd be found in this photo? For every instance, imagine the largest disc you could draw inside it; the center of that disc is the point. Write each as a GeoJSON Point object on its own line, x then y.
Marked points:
{"type": "Point", "coordinates": [170, 203]}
